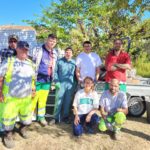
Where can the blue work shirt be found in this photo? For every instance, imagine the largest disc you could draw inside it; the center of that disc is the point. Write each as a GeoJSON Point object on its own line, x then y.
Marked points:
{"type": "Point", "coordinates": [65, 71]}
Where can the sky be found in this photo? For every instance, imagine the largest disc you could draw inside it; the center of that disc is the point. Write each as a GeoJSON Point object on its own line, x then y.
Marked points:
{"type": "Point", "coordinates": [14, 11]}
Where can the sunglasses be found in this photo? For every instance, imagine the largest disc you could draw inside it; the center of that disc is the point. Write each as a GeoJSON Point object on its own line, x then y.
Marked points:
{"type": "Point", "coordinates": [12, 41]}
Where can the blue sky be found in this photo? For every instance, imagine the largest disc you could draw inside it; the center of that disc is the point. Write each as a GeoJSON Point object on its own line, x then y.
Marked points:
{"type": "Point", "coordinates": [14, 11]}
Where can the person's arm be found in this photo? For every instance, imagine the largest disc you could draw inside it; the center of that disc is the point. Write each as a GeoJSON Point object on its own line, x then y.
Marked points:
{"type": "Point", "coordinates": [75, 109]}
{"type": "Point", "coordinates": [97, 73]}
{"type": "Point", "coordinates": [122, 66]}
{"type": "Point", "coordinates": [98, 65]}
{"type": "Point", "coordinates": [76, 119]}
{"type": "Point", "coordinates": [124, 106]}
{"type": "Point", "coordinates": [78, 67]}
{"type": "Point", "coordinates": [102, 105]}
{"type": "Point", "coordinates": [126, 65]}
{"type": "Point", "coordinates": [56, 78]}
{"type": "Point", "coordinates": [102, 112]}
{"type": "Point", "coordinates": [78, 76]}
{"type": "Point", "coordinates": [1, 86]}
{"type": "Point", "coordinates": [108, 65]}
{"type": "Point", "coordinates": [88, 117]}
{"type": "Point", "coordinates": [3, 70]}
{"type": "Point", "coordinates": [124, 110]}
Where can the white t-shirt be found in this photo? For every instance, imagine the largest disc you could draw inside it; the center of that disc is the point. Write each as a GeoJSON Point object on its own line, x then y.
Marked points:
{"type": "Point", "coordinates": [86, 102]}
{"type": "Point", "coordinates": [87, 64]}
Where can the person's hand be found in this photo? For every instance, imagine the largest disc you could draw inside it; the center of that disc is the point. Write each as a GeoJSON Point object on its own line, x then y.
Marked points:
{"type": "Point", "coordinates": [119, 110]}
{"type": "Point", "coordinates": [1, 97]}
{"type": "Point", "coordinates": [104, 116]}
{"type": "Point", "coordinates": [33, 92]}
{"type": "Point", "coordinates": [88, 118]}
{"type": "Point", "coordinates": [57, 85]}
{"type": "Point", "coordinates": [76, 120]}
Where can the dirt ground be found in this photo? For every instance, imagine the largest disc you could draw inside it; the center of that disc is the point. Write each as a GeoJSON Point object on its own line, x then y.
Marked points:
{"type": "Point", "coordinates": [135, 136]}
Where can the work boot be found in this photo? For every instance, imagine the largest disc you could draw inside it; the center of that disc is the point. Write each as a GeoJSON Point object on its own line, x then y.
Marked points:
{"type": "Point", "coordinates": [23, 132]}
{"type": "Point", "coordinates": [43, 122]}
{"type": "Point", "coordinates": [8, 140]}
{"type": "Point", "coordinates": [116, 135]}
{"type": "Point", "coordinates": [52, 122]}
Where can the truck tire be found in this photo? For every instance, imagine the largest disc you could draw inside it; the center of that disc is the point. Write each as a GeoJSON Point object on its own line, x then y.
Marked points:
{"type": "Point", "coordinates": [136, 106]}
{"type": "Point", "coordinates": [148, 111]}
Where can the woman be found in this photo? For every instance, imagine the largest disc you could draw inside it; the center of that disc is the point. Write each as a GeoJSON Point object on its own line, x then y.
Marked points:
{"type": "Point", "coordinates": [86, 103]}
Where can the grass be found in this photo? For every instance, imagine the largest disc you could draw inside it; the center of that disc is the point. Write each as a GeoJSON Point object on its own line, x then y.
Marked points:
{"type": "Point", "coordinates": [143, 69]}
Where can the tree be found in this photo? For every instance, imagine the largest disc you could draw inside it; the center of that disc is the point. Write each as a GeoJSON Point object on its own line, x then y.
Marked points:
{"type": "Point", "coordinates": [97, 20]}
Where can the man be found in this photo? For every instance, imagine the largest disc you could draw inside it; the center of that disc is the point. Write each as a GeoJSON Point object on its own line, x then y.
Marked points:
{"type": "Point", "coordinates": [117, 62]}
{"type": "Point", "coordinates": [113, 109]}
{"type": "Point", "coordinates": [88, 64]}
{"type": "Point", "coordinates": [11, 50]}
{"type": "Point", "coordinates": [64, 78]}
{"type": "Point", "coordinates": [45, 59]}
{"type": "Point", "coordinates": [17, 82]}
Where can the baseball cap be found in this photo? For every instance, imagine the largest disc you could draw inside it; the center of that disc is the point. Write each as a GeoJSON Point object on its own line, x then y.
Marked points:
{"type": "Point", "coordinates": [13, 36]}
{"type": "Point", "coordinates": [23, 44]}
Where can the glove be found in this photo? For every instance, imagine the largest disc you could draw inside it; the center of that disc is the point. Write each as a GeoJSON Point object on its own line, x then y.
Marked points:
{"type": "Point", "coordinates": [57, 85]}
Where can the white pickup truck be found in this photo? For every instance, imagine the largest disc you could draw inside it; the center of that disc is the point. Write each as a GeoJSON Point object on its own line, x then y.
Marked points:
{"type": "Point", "coordinates": [138, 94]}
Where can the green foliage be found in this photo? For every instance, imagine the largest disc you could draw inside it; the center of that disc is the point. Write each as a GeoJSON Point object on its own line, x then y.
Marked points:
{"type": "Point", "coordinates": [100, 21]}
{"type": "Point", "coordinates": [142, 65]}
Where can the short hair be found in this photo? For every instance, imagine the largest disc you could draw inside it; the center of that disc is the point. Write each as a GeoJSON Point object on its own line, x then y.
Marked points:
{"type": "Point", "coordinates": [118, 40]}
{"type": "Point", "coordinates": [69, 48]}
{"type": "Point", "coordinates": [87, 42]}
{"type": "Point", "coordinates": [52, 36]}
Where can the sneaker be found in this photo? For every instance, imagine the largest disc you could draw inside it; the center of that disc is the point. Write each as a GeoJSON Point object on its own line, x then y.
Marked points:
{"type": "Point", "coordinates": [24, 133]}
{"type": "Point", "coordinates": [52, 122]}
{"type": "Point", "coordinates": [8, 140]}
{"type": "Point", "coordinates": [43, 122]}
{"type": "Point", "coordinates": [67, 120]}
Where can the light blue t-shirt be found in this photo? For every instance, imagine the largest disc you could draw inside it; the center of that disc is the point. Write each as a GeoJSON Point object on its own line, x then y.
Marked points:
{"type": "Point", "coordinates": [111, 103]}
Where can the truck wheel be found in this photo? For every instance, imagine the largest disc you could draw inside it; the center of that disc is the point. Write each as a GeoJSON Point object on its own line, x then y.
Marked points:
{"type": "Point", "coordinates": [136, 106]}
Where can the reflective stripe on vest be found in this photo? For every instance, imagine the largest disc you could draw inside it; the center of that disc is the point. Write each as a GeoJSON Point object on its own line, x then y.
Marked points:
{"type": "Point", "coordinates": [8, 76]}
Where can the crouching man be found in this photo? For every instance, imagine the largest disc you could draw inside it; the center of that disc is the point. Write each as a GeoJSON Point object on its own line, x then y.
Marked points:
{"type": "Point", "coordinates": [113, 109]}
{"type": "Point", "coordinates": [85, 106]}
{"type": "Point", "coordinates": [16, 87]}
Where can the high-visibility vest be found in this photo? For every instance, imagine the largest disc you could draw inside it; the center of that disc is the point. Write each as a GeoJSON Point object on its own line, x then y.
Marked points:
{"type": "Point", "coordinates": [8, 76]}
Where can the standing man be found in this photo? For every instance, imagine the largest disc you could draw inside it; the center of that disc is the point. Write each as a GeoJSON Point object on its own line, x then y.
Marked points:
{"type": "Point", "coordinates": [17, 83]}
{"type": "Point", "coordinates": [65, 86]}
{"type": "Point", "coordinates": [11, 50]}
{"type": "Point", "coordinates": [87, 63]}
{"type": "Point", "coordinates": [113, 109]}
{"type": "Point", "coordinates": [117, 62]}
{"type": "Point", "coordinates": [45, 59]}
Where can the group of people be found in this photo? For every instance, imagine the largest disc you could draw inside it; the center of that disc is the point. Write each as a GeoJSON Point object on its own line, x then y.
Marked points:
{"type": "Point", "coordinates": [26, 77]}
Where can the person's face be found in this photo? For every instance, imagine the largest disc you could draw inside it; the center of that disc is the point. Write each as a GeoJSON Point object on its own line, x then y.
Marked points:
{"type": "Point", "coordinates": [22, 53]}
{"type": "Point", "coordinates": [88, 84]}
{"type": "Point", "coordinates": [68, 54]}
{"type": "Point", "coordinates": [87, 48]}
{"type": "Point", "coordinates": [117, 45]}
{"type": "Point", "coordinates": [51, 43]}
{"type": "Point", "coordinates": [13, 43]}
{"type": "Point", "coordinates": [114, 87]}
